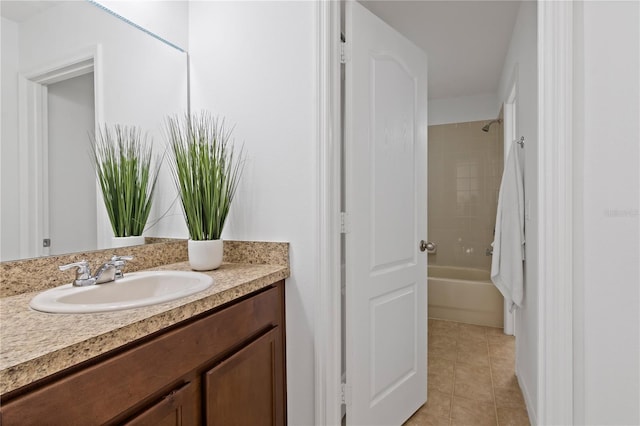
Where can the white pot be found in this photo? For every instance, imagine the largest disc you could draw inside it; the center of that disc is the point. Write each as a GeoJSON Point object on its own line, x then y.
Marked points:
{"type": "Point", "coordinates": [127, 241]}
{"type": "Point", "coordinates": [205, 255]}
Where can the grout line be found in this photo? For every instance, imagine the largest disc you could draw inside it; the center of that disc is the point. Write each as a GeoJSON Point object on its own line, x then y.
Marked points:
{"type": "Point", "coordinates": [453, 384]}
{"type": "Point", "coordinates": [493, 387]}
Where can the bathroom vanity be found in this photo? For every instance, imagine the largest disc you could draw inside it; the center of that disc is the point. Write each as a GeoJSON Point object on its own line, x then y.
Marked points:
{"type": "Point", "coordinates": [214, 358]}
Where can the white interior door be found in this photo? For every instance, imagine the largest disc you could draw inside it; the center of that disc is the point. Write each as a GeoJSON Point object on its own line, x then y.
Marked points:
{"type": "Point", "coordinates": [386, 199]}
{"type": "Point", "coordinates": [71, 176]}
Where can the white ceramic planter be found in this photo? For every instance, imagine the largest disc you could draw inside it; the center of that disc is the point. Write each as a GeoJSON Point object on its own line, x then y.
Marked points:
{"type": "Point", "coordinates": [205, 255]}
{"type": "Point", "coordinates": [127, 241]}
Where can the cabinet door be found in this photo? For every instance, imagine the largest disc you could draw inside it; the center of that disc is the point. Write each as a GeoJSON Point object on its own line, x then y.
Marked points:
{"type": "Point", "coordinates": [180, 407]}
{"type": "Point", "coordinates": [247, 388]}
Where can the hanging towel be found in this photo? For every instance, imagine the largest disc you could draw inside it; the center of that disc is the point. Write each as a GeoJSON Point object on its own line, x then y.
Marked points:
{"type": "Point", "coordinates": [508, 244]}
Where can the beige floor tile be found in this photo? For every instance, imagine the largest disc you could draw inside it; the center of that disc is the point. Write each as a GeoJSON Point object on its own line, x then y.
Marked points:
{"type": "Point", "coordinates": [508, 397]}
{"type": "Point", "coordinates": [468, 412]}
{"type": "Point", "coordinates": [502, 349]}
{"type": "Point", "coordinates": [464, 370]}
{"type": "Point", "coordinates": [473, 382]}
{"type": "Point", "coordinates": [471, 377]}
{"type": "Point", "coordinates": [441, 342]}
{"type": "Point", "coordinates": [507, 365]}
{"type": "Point", "coordinates": [513, 417]}
{"type": "Point", "coordinates": [472, 328]}
{"type": "Point", "coordinates": [443, 352]}
{"type": "Point", "coordinates": [446, 329]}
{"type": "Point", "coordinates": [468, 345]}
{"type": "Point", "coordinates": [472, 332]}
{"type": "Point", "coordinates": [442, 324]}
{"type": "Point", "coordinates": [474, 390]}
{"type": "Point", "coordinates": [439, 404]}
{"type": "Point", "coordinates": [499, 338]}
{"type": "Point", "coordinates": [439, 382]}
{"type": "Point", "coordinates": [443, 332]}
{"type": "Point", "coordinates": [478, 358]}
{"type": "Point", "coordinates": [425, 418]}
{"type": "Point", "coordinates": [440, 365]}
{"type": "Point", "coordinates": [503, 373]}
{"type": "Point", "coordinates": [492, 331]}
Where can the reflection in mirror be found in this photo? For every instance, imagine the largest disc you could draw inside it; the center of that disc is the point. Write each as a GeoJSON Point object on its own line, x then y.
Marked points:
{"type": "Point", "coordinates": [68, 66]}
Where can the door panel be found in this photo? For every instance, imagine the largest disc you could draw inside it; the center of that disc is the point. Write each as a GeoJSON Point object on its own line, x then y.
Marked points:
{"type": "Point", "coordinates": [386, 198]}
{"type": "Point", "coordinates": [392, 101]}
{"type": "Point", "coordinates": [390, 367]}
{"type": "Point", "coordinates": [245, 388]}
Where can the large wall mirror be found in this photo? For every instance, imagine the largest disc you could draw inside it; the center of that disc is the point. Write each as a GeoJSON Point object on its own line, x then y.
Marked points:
{"type": "Point", "coordinates": [67, 67]}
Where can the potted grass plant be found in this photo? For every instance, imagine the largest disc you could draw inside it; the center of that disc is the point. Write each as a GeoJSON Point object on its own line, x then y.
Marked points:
{"type": "Point", "coordinates": [206, 171]}
{"type": "Point", "coordinates": [127, 172]}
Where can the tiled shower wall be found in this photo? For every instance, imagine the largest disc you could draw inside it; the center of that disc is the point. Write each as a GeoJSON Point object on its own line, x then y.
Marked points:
{"type": "Point", "coordinates": [465, 169]}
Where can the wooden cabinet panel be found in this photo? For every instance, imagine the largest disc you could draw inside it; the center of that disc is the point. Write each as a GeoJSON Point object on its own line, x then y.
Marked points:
{"type": "Point", "coordinates": [246, 388]}
{"type": "Point", "coordinates": [180, 408]}
{"type": "Point", "coordinates": [116, 387]}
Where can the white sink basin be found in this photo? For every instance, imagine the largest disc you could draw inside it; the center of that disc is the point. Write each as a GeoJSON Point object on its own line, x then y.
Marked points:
{"type": "Point", "coordinates": [134, 290]}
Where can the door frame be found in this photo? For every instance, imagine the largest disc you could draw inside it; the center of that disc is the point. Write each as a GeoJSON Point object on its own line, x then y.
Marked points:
{"type": "Point", "coordinates": [510, 134]}
{"type": "Point", "coordinates": [327, 330]}
{"type": "Point", "coordinates": [34, 142]}
{"type": "Point", "coordinates": [555, 192]}
{"type": "Point", "coordinates": [555, 212]}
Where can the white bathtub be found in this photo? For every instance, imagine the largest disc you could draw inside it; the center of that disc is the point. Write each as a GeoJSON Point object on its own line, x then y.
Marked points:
{"type": "Point", "coordinates": [464, 295]}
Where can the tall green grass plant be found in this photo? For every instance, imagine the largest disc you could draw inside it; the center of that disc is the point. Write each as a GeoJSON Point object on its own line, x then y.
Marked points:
{"type": "Point", "coordinates": [206, 170]}
{"type": "Point", "coordinates": [127, 172]}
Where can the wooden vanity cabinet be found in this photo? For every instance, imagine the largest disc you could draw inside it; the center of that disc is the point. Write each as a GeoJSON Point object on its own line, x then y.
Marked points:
{"type": "Point", "coordinates": [224, 367]}
{"type": "Point", "coordinates": [243, 389]}
{"type": "Point", "coordinates": [180, 407]}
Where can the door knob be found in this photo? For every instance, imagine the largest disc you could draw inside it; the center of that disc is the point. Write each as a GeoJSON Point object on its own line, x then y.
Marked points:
{"type": "Point", "coordinates": [429, 247]}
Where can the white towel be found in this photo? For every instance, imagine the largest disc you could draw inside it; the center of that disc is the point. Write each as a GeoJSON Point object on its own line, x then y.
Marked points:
{"type": "Point", "coordinates": [508, 245]}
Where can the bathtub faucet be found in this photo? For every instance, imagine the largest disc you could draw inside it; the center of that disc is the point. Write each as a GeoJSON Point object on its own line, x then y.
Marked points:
{"type": "Point", "coordinates": [489, 251]}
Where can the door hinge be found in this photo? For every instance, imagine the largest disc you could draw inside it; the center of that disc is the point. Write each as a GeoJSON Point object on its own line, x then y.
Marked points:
{"type": "Point", "coordinates": [345, 394]}
{"type": "Point", "coordinates": [344, 223]}
{"type": "Point", "coordinates": [343, 52]}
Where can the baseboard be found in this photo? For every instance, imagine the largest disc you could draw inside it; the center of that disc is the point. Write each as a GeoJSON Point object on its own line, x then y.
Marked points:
{"type": "Point", "coordinates": [531, 412]}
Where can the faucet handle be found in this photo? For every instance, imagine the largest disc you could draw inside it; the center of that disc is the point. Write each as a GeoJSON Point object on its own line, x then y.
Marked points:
{"type": "Point", "coordinates": [118, 262]}
{"type": "Point", "coordinates": [83, 272]}
{"type": "Point", "coordinates": [118, 258]}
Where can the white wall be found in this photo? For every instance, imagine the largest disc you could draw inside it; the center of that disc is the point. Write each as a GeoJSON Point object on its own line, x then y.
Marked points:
{"type": "Point", "coordinates": [140, 81]}
{"type": "Point", "coordinates": [521, 62]}
{"type": "Point", "coordinates": [9, 213]}
{"type": "Point", "coordinates": [255, 64]}
{"type": "Point", "coordinates": [168, 19]}
{"type": "Point", "coordinates": [463, 109]}
{"type": "Point", "coordinates": [607, 257]}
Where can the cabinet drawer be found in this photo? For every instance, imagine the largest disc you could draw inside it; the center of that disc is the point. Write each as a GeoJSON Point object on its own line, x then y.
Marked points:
{"type": "Point", "coordinates": [135, 377]}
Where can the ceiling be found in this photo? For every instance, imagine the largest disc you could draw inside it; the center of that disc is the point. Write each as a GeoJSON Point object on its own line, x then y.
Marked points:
{"type": "Point", "coordinates": [466, 41]}
{"type": "Point", "coordinates": [21, 10]}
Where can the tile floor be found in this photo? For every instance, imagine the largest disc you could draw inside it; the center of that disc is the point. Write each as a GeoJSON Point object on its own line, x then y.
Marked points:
{"type": "Point", "coordinates": [471, 378]}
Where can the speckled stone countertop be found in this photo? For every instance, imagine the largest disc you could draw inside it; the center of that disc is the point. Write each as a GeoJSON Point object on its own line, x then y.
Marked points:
{"type": "Point", "coordinates": [34, 345]}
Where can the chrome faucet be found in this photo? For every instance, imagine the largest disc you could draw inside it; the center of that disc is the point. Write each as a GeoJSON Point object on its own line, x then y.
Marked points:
{"type": "Point", "coordinates": [108, 272]}
{"type": "Point", "coordinates": [118, 263]}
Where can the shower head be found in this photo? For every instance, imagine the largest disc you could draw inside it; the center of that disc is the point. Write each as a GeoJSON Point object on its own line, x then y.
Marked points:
{"type": "Point", "coordinates": [488, 125]}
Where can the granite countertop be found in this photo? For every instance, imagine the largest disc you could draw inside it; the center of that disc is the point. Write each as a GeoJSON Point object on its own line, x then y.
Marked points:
{"type": "Point", "coordinates": [34, 344]}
